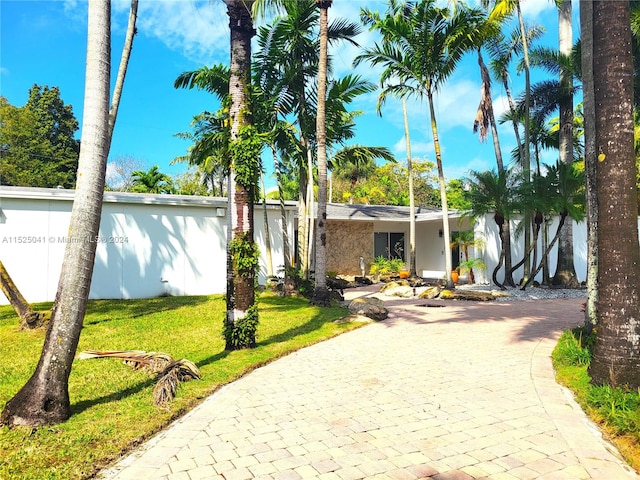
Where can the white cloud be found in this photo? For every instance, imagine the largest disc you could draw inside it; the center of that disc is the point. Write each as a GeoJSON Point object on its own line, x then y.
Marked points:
{"type": "Point", "coordinates": [533, 9]}
{"type": "Point", "coordinates": [195, 28]}
{"type": "Point", "coordinates": [461, 170]}
{"type": "Point", "coordinates": [456, 104]}
{"type": "Point", "coordinates": [418, 149]}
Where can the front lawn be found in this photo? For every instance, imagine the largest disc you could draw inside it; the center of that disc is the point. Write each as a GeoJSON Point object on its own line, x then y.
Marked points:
{"type": "Point", "coordinates": [112, 404]}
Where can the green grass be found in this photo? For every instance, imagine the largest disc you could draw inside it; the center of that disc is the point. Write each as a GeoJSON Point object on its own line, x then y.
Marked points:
{"type": "Point", "coordinates": [112, 404]}
{"type": "Point", "coordinates": [616, 410]}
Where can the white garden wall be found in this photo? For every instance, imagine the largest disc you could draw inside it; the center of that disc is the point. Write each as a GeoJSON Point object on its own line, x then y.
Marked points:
{"type": "Point", "coordinates": [486, 228]}
{"type": "Point", "coordinates": [149, 245]}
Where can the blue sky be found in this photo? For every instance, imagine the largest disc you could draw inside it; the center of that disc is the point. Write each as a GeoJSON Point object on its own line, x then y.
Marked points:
{"type": "Point", "coordinates": [44, 43]}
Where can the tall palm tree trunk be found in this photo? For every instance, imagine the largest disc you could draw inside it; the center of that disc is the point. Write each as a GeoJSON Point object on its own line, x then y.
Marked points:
{"type": "Point", "coordinates": [590, 162]}
{"type": "Point", "coordinates": [241, 316]}
{"type": "Point", "coordinates": [286, 244]}
{"type": "Point", "coordinates": [526, 160]}
{"type": "Point", "coordinates": [267, 233]}
{"type": "Point", "coordinates": [616, 352]}
{"type": "Point", "coordinates": [443, 195]}
{"type": "Point", "coordinates": [29, 318]}
{"type": "Point", "coordinates": [565, 274]}
{"type": "Point", "coordinates": [506, 241]}
{"type": "Point", "coordinates": [45, 397]}
{"type": "Point", "coordinates": [320, 292]}
{"type": "Point", "coordinates": [412, 201]}
{"type": "Point", "coordinates": [122, 69]}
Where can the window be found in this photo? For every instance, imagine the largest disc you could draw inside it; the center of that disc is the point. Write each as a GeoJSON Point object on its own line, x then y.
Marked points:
{"type": "Point", "coordinates": [388, 245]}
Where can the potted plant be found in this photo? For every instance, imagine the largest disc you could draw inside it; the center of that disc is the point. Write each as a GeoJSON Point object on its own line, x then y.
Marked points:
{"type": "Point", "coordinates": [467, 267]}
{"type": "Point", "coordinates": [455, 275]}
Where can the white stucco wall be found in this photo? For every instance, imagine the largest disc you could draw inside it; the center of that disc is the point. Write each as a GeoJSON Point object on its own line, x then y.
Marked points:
{"type": "Point", "coordinates": [148, 245]}
{"type": "Point", "coordinates": [489, 230]}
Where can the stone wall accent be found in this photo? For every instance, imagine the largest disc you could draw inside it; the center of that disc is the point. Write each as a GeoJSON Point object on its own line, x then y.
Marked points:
{"type": "Point", "coordinates": [346, 243]}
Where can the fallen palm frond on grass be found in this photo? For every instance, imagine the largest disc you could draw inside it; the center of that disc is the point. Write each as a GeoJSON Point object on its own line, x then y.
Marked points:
{"type": "Point", "coordinates": [152, 362]}
{"type": "Point", "coordinates": [169, 379]}
{"type": "Point", "coordinates": [169, 372]}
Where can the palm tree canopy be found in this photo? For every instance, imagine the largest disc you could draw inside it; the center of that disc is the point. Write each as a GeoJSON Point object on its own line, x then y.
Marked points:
{"type": "Point", "coordinates": [354, 162]}
{"type": "Point", "coordinates": [152, 181]}
{"type": "Point", "coordinates": [494, 192]}
{"type": "Point", "coordinates": [213, 79]}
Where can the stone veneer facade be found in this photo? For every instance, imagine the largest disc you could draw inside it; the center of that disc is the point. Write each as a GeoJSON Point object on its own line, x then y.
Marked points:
{"type": "Point", "coordinates": [347, 241]}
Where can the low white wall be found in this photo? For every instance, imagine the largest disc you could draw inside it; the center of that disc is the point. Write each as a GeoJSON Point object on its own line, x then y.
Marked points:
{"type": "Point", "coordinates": [148, 245]}
{"type": "Point", "coordinates": [487, 228]}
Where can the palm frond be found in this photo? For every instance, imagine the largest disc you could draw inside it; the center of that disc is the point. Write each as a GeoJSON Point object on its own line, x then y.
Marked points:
{"type": "Point", "coordinates": [152, 362]}
{"type": "Point", "coordinates": [169, 372]}
{"type": "Point", "coordinates": [169, 379]}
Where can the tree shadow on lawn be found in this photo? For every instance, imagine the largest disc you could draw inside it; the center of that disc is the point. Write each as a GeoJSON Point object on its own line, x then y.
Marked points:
{"type": "Point", "coordinates": [100, 311]}
{"type": "Point", "coordinates": [82, 405]}
{"type": "Point", "coordinates": [314, 323]}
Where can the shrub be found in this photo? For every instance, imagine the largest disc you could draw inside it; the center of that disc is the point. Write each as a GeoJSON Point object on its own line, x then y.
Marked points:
{"type": "Point", "coordinates": [384, 266]}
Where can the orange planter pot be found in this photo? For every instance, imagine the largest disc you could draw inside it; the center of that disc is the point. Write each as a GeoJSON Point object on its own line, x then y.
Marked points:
{"type": "Point", "coordinates": [404, 274]}
{"type": "Point", "coordinates": [455, 276]}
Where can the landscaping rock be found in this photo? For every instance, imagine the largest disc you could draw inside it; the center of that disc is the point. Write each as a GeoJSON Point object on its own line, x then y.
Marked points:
{"type": "Point", "coordinates": [354, 319]}
{"type": "Point", "coordinates": [370, 307]}
{"type": "Point", "coordinates": [393, 284]}
{"type": "Point", "coordinates": [338, 283]}
{"type": "Point", "coordinates": [430, 292]}
{"type": "Point", "coordinates": [363, 280]}
{"type": "Point", "coordinates": [402, 291]}
{"type": "Point", "coordinates": [467, 295]}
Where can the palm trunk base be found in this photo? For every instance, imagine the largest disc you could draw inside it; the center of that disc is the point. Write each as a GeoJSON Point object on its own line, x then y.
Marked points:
{"type": "Point", "coordinates": [321, 297]}
{"type": "Point", "coordinates": [37, 403]}
{"type": "Point", "coordinates": [565, 279]}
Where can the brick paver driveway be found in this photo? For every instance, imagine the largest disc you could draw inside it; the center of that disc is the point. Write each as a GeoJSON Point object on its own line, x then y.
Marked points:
{"type": "Point", "coordinates": [459, 391]}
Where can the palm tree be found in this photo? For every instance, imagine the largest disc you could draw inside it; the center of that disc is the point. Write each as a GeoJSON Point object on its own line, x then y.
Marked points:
{"type": "Point", "coordinates": [44, 399]}
{"type": "Point", "coordinates": [241, 319]}
{"type": "Point", "coordinates": [501, 9]}
{"type": "Point", "coordinates": [497, 193]}
{"type": "Point", "coordinates": [562, 196]}
{"type": "Point", "coordinates": [151, 181]}
{"type": "Point", "coordinates": [549, 96]}
{"type": "Point", "coordinates": [289, 60]}
{"type": "Point", "coordinates": [211, 131]}
{"type": "Point", "coordinates": [122, 69]}
{"type": "Point", "coordinates": [465, 240]}
{"type": "Point", "coordinates": [29, 318]}
{"type": "Point", "coordinates": [320, 292]}
{"type": "Point", "coordinates": [385, 26]}
{"type": "Point", "coordinates": [502, 49]}
{"type": "Point", "coordinates": [210, 149]}
{"type": "Point", "coordinates": [356, 162]}
{"type": "Point", "coordinates": [422, 47]}
{"type": "Point", "coordinates": [485, 119]}
{"type": "Point", "coordinates": [616, 353]}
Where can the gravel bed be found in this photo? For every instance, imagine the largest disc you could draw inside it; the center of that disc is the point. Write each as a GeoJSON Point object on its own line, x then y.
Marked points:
{"type": "Point", "coordinates": [531, 292]}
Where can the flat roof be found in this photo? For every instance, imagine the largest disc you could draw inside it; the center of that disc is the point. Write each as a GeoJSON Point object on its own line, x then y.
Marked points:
{"type": "Point", "coordinates": [128, 197]}
{"type": "Point", "coordinates": [340, 211]}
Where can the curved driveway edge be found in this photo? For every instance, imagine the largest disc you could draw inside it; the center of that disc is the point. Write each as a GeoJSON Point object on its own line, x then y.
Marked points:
{"type": "Point", "coordinates": [462, 391]}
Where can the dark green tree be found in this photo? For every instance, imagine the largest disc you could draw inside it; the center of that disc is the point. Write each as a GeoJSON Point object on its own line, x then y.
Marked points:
{"type": "Point", "coordinates": [38, 144]}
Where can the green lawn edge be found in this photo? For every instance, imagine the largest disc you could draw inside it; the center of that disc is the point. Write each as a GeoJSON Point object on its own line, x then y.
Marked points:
{"type": "Point", "coordinates": [615, 410]}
